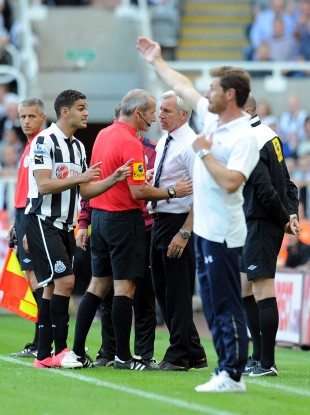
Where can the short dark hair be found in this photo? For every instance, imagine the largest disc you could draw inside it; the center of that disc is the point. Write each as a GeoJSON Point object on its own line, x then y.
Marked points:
{"type": "Point", "coordinates": [236, 78]}
{"type": "Point", "coordinates": [67, 99]}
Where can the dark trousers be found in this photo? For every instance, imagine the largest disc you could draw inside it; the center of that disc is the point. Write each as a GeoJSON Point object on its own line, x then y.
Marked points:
{"type": "Point", "coordinates": [174, 281]}
{"type": "Point", "coordinates": [144, 315]}
{"type": "Point", "coordinates": [220, 290]}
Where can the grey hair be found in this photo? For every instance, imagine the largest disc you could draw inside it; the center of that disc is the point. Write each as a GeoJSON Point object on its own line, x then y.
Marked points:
{"type": "Point", "coordinates": [32, 102]}
{"type": "Point", "coordinates": [136, 98]}
{"type": "Point", "coordinates": [181, 104]}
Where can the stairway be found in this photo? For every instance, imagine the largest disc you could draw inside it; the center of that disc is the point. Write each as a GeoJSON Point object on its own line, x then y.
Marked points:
{"type": "Point", "coordinates": [214, 30]}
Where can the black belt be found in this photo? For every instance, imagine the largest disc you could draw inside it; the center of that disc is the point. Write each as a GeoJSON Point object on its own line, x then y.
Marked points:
{"type": "Point", "coordinates": [158, 215]}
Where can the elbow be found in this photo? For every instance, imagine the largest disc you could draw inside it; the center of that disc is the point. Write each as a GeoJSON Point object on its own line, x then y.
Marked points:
{"type": "Point", "coordinates": [231, 188]}
{"type": "Point", "coordinates": [43, 190]}
{"type": "Point", "coordinates": [138, 195]}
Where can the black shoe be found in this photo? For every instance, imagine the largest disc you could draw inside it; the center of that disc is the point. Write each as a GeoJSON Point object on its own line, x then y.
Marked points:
{"type": "Point", "coordinates": [198, 364]}
{"type": "Point", "coordinates": [170, 367]}
{"type": "Point", "coordinates": [147, 362]}
{"type": "Point", "coordinates": [103, 361]}
{"type": "Point", "coordinates": [132, 364]}
{"type": "Point", "coordinates": [86, 360]}
{"type": "Point", "coordinates": [30, 350]}
{"type": "Point", "coordinates": [250, 366]}
{"type": "Point", "coordinates": [261, 371]}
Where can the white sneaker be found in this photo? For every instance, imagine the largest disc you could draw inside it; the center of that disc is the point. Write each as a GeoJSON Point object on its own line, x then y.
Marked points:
{"type": "Point", "coordinates": [67, 360]}
{"type": "Point", "coordinates": [222, 383]}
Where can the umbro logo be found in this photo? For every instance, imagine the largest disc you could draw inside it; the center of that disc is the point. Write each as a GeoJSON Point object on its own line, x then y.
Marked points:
{"type": "Point", "coordinates": [27, 260]}
{"type": "Point", "coordinates": [252, 267]}
{"type": "Point", "coordinates": [208, 259]}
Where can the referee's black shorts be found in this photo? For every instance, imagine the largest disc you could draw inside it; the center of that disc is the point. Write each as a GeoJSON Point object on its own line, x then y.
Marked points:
{"type": "Point", "coordinates": [261, 249]}
{"type": "Point", "coordinates": [20, 228]}
{"type": "Point", "coordinates": [52, 249]}
{"type": "Point", "coordinates": [117, 244]}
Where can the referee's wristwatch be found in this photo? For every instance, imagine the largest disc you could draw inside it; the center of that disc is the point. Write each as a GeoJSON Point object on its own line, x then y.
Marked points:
{"type": "Point", "coordinates": [203, 153]}
{"type": "Point", "coordinates": [185, 234]}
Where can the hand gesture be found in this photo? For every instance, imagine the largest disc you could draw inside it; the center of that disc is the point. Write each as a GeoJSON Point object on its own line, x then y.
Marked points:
{"type": "Point", "coordinates": [201, 142]}
{"type": "Point", "coordinates": [81, 239]}
{"type": "Point", "coordinates": [149, 49]}
{"type": "Point", "coordinates": [293, 226]}
{"type": "Point", "coordinates": [183, 188]}
{"type": "Point", "coordinates": [123, 172]}
{"type": "Point", "coordinates": [93, 173]}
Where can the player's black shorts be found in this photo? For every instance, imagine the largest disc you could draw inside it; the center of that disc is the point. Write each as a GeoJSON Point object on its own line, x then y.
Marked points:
{"type": "Point", "coordinates": [20, 228]}
{"type": "Point", "coordinates": [51, 249]}
{"type": "Point", "coordinates": [261, 249]}
{"type": "Point", "coordinates": [117, 244]}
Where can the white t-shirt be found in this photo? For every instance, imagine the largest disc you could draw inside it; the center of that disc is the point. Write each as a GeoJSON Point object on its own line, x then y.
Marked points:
{"type": "Point", "coordinates": [218, 216]}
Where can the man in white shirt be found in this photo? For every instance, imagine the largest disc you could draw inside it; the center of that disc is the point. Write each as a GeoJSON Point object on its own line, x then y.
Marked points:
{"type": "Point", "coordinates": [226, 154]}
{"type": "Point", "coordinates": [172, 257]}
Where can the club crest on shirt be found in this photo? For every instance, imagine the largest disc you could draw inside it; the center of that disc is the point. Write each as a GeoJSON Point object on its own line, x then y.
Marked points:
{"type": "Point", "coordinates": [59, 267]}
{"type": "Point", "coordinates": [277, 148]}
{"type": "Point", "coordinates": [138, 172]}
{"type": "Point", "coordinates": [39, 149]}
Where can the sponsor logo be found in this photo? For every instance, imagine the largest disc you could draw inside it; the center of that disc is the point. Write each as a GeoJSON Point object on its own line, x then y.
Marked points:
{"type": "Point", "coordinates": [63, 171]}
{"type": "Point", "coordinates": [59, 267]}
{"type": "Point", "coordinates": [39, 149]}
{"type": "Point", "coordinates": [208, 259]}
{"type": "Point", "coordinates": [26, 260]}
{"type": "Point", "coordinates": [38, 159]}
{"type": "Point", "coordinates": [138, 172]}
{"type": "Point", "coordinates": [252, 267]}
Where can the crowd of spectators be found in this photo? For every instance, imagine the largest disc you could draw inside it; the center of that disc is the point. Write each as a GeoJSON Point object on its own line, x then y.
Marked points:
{"type": "Point", "coordinates": [280, 31]}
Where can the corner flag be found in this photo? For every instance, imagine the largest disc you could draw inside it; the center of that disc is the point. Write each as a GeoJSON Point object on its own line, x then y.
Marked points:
{"type": "Point", "coordinates": [15, 292]}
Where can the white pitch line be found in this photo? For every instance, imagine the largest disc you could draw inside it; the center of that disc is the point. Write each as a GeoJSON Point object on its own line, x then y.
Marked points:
{"type": "Point", "coordinates": [147, 395]}
{"type": "Point", "coordinates": [281, 387]}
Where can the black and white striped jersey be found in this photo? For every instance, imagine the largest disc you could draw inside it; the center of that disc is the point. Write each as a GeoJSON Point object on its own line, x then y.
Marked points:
{"type": "Point", "coordinates": [52, 150]}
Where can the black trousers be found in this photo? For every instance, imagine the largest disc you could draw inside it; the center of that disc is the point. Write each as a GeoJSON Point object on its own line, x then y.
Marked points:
{"type": "Point", "coordinates": [174, 281]}
{"type": "Point", "coordinates": [144, 315]}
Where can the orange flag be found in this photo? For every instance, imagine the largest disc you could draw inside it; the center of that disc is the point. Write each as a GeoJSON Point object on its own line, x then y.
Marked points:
{"type": "Point", "coordinates": [15, 292]}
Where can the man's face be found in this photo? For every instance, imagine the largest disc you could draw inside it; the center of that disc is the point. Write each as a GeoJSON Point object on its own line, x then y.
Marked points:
{"type": "Point", "coordinates": [31, 120]}
{"type": "Point", "coordinates": [78, 114]}
{"type": "Point", "coordinates": [170, 118]}
{"type": "Point", "coordinates": [148, 116]}
{"type": "Point", "coordinates": [216, 96]}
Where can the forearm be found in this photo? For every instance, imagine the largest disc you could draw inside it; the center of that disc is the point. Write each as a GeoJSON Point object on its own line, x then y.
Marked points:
{"type": "Point", "coordinates": [178, 82]}
{"type": "Point", "coordinates": [188, 224]}
{"type": "Point", "coordinates": [52, 186]}
{"type": "Point", "coordinates": [147, 192]}
{"type": "Point", "coordinates": [229, 180]}
{"type": "Point", "coordinates": [93, 189]}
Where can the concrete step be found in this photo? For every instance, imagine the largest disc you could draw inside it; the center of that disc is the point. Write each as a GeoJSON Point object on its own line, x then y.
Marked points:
{"type": "Point", "coordinates": [209, 55]}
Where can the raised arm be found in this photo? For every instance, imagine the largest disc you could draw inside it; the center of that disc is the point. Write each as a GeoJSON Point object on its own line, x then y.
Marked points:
{"type": "Point", "coordinates": [182, 85]}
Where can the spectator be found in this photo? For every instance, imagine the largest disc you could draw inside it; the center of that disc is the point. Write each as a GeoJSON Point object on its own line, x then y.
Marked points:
{"type": "Point", "coordinates": [302, 31]}
{"type": "Point", "coordinates": [262, 26]}
{"type": "Point", "coordinates": [291, 125]}
{"type": "Point", "coordinates": [298, 254]}
{"type": "Point", "coordinates": [279, 46]}
{"type": "Point", "coordinates": [303, 147]}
